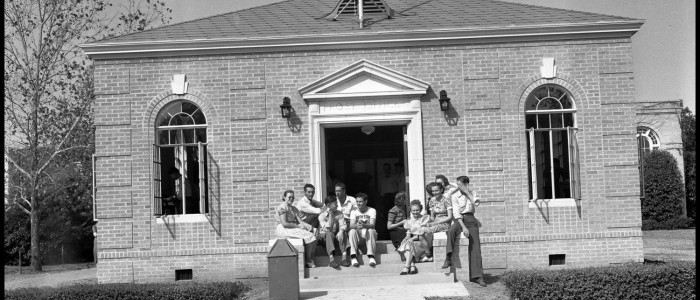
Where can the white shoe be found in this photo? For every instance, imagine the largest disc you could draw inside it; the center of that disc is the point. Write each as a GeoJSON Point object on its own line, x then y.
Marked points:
{"type": "Point", "coordinates": [426, 259]}
{"type": "Point", "coordinates": [355, 263]}
{"type": "Point", "coordinates": [372, 262]}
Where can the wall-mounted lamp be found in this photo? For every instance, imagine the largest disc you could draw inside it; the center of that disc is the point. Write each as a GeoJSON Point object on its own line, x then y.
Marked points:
{"type": "Point", "coordinates": [286, 108]}
{"type": "Point", "coordinates": [444, 101]}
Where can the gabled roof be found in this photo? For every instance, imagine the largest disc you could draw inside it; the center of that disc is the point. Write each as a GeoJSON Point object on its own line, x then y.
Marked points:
{"type": "Point", "coordinates": [296, 20]}
{"type": "Point", "coordinates": [365, 76]}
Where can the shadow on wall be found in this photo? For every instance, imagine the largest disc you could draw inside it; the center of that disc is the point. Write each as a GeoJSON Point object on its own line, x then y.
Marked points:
{"type": "Point", "coordinates": [294, 122]}
{"type": "Point", "coordinates": [214, 215]}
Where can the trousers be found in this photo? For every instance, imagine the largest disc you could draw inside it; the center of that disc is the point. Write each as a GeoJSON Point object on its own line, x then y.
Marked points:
{"type": "Point", "coordinates": [476, 270]}
{"type": "Point", "coordinates": [369, 236]}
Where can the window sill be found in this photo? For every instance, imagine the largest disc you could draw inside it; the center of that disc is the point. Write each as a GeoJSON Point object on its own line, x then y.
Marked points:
{"type": "Point", "coordinates": [564, 202]}
{"type": "Point", "coordinates": [190, 218]}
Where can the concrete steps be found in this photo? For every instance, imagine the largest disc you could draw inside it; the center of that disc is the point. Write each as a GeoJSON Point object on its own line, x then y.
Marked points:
{"type": "Point", "coordinates": [379, 282]}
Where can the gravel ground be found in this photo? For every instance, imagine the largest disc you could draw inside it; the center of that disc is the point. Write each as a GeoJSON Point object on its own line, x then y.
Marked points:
{"type": "Point", "coordinates": [50, 276]}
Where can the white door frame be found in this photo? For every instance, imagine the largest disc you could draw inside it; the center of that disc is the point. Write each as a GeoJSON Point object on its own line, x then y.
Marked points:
{"type": "Point", "coordinates": [406, 113]}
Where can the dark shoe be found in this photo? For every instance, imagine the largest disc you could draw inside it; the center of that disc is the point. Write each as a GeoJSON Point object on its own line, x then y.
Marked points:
{"type": "Point", "coordinates": [413, 270]}
{"type": "Point", "coordinates": [480, 282]}
{"type": "Point", "coordinates": [404, 271]}
{"type": "Point", "coordinates": [447, 264]}
{"type": "Point", "coordinates": [333, 264]}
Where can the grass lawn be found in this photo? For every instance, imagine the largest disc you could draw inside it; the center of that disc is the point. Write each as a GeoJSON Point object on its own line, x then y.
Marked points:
{"type": "Point", "coordinates": [659, 245]}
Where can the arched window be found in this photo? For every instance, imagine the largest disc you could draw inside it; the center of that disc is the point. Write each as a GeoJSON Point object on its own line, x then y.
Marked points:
{"type": "Point", "coordinates": [180, 160]}
{"type": "Point", "coordinates": [647, 140]}
{"type": "Point", "coordinates": [550, 122]}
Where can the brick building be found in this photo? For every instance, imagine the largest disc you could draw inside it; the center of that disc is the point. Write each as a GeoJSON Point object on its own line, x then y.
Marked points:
{"type": "Point", "coordinates": [659, 127]}
{"type": "Point", "coordinates": [541, 117]}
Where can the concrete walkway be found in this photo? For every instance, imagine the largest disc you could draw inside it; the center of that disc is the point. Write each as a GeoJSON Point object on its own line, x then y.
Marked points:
{"type": "Point", "coordinates": [393, 291]}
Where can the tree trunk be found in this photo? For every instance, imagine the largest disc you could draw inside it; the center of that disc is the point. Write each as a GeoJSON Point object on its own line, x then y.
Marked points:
{"type": "Point", "coordinates": [34, 217]}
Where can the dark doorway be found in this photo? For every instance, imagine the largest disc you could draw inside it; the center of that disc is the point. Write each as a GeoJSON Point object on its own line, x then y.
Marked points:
{"type": "Point", "coordinates": [358, 156]}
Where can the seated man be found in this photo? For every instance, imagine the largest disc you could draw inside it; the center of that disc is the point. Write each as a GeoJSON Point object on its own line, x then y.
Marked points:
{"type": "Point", "coordinates": [331, 229]}
{"type": "Point", "coordinates": [362, 228]}
{"type": "Point", "coordinates": [309, 209]}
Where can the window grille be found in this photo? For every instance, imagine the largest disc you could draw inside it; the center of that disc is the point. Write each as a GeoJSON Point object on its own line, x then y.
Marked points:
{"type": "Point", "coordinates": [552, 144]}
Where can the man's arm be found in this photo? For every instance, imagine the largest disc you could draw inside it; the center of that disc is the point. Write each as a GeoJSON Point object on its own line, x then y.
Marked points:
{"type": "Point", "coordinates": [372, 218]}
{"type": "Point", "coordinates": [304, 206]}
{"type": "Point", "coordinates": [353, 221]}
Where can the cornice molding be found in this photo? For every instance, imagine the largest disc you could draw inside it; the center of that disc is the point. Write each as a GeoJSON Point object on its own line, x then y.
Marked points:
{"type": "Point", "coordinates": [362, 40]}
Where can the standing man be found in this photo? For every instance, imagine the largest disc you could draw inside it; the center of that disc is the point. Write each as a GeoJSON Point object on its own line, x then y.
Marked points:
{"type": "Point", "coordinates": [464, 203]}
{"type": "Point", "coordinates": [308, 208]}
{"type": "Point", "coordinates": [346, 204]}
{"type": "Point", "coordinates": [362, 229]}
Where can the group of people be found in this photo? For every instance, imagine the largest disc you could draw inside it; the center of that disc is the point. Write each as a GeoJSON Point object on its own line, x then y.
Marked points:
{"type": "Point", "coordinates": [343, 222]}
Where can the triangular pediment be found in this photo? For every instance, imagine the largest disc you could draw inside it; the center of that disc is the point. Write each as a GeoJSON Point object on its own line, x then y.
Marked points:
{"type": "Point", "coordinates": [363, 79]}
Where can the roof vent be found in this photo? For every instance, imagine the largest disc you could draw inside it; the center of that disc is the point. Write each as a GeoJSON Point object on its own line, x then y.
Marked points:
{"type": "Point", "coordinates": [358, 9]}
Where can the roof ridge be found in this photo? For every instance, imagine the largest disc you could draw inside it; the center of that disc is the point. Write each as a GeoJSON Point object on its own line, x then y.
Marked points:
{"type": "Point", "coordinates": [568, 10]}
{"type": "Point", "coordinates": [189, 21]}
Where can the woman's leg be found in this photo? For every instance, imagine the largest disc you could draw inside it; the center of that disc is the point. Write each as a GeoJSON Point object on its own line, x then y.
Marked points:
{"type": "Point", "coordinates": [409, 258]}
{"type": "Point", "coordinates": [426, 241]}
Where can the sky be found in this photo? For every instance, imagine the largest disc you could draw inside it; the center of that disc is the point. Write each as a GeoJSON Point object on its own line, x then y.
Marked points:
{"type": "Point", "coordinates": [663, 49]}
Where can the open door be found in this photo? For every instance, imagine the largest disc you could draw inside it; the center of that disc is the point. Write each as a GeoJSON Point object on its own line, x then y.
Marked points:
{"type": "Point", "coordinates": [406, 170]}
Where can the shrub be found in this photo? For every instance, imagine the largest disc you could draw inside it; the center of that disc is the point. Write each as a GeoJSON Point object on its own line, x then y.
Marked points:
{"type": "Point", "coordinates": [675, 280]}
{"type": "Point", "coordinates": [127, 291]}
{"type": "Point", "coordinates": [663, 187]}
{"type": "Point", "coordinates": [675, 223]}
{"type": "Point", "coordinates": [689, 165]}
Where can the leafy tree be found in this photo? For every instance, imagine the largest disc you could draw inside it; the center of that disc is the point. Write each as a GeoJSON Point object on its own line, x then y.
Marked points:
{"type": "Point", "coordinates": [16, 235]}
{"type": "Point", "coordinates": [663, 187]}
{"type": "Point", "coordinates": [688, 134]}
{"type": "Point", "coordinates": [49, 94]}
{"type": "Point", "coordinates": [688, 129]}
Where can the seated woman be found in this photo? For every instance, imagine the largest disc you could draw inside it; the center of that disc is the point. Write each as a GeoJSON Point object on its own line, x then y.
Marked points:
{"type": "Point", "coordinates": [290, 225]}
{"type": "Point", "coordinates": [413, 246]}
{"type": "Point", "coordinates": [440, 213]}
{"type": "Point", "coordinates": [396, 220]}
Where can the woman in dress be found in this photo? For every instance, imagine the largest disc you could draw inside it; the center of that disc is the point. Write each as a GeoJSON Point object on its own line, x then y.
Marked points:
{"type": "Point", "coordinates": [413, 246]}
{"type": "Point", "coordinates": [290, 225]}
{"type": "Point", "coordinates": [440, 209]}
{"type": "Point", "coordinates": [396, 220]}
{"type": "Point", "coordinates": [440, 214]}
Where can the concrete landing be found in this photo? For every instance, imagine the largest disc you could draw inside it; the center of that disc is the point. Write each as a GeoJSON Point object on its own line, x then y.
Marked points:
{"type": "Point", "coordinates": [389, 291]}
{"type": "Point", "coordinates": [380, 282]}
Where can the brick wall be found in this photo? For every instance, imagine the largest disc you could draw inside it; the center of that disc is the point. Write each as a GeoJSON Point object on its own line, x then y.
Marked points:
{"type": "Point", "coordinates": [254, 154]}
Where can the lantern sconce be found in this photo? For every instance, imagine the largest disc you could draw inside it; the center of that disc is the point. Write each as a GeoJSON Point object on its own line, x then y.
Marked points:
{"type": "Point", "coordinates": [286, 108]}
{"type": "Point", "coordinates": [444, 101]}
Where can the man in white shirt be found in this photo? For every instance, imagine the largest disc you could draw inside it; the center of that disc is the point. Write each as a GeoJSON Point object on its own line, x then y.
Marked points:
{"type": "Point", "coordinates": [362, 229]}
{"type": "Point", "coordinates": [309, 209]}
{"type": "Point", "coordinates": [346, 204]}
{"type": "Point", "coordinates": [464, 203]}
